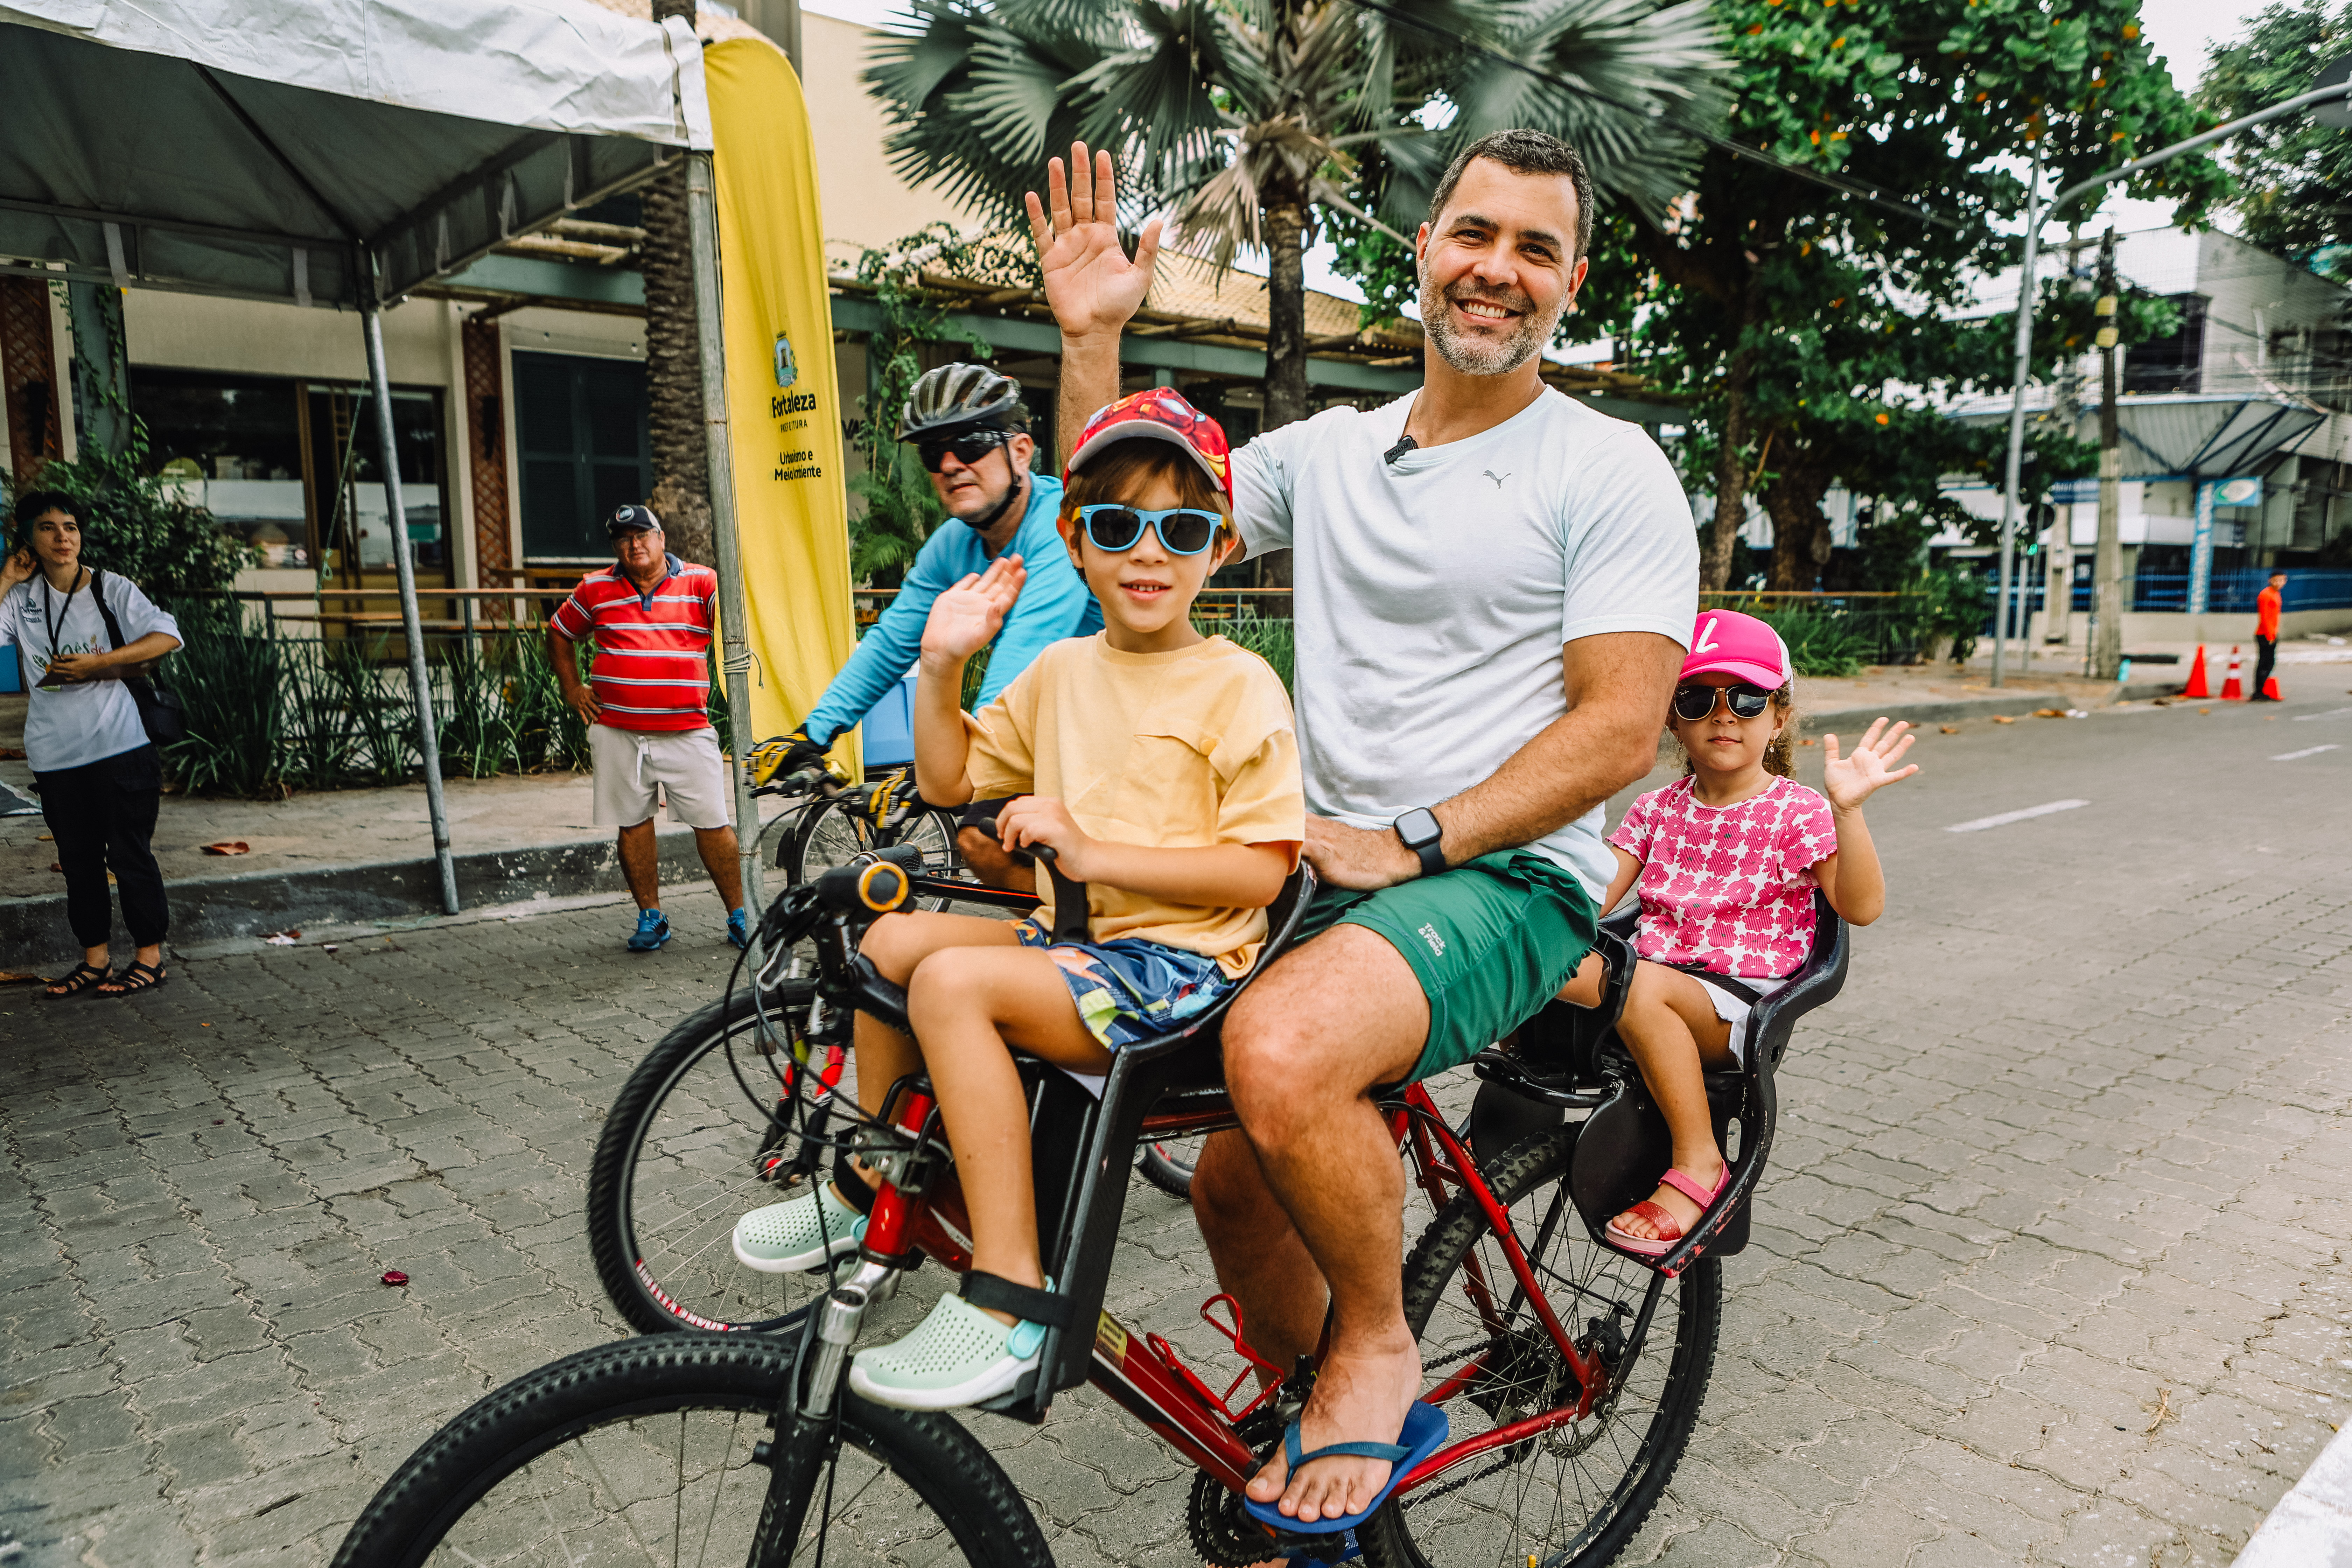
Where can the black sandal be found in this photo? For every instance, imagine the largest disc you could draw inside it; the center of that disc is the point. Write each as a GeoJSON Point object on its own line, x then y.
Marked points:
{"type": "Point", "coordinates": [83, 977]}
{"type": "Point", "coordinates": [138, 977]}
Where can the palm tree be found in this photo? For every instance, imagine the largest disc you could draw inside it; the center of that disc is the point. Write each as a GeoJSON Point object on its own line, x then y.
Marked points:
{"type": "Point", "coordinates": [1249, 116]}
{"type": "Point", "coordinates": [681, 492]}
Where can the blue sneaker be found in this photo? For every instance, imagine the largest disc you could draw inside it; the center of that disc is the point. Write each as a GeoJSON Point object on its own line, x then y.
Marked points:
{"type": "Point", "coordinates": [739, 928]}
{"type": "Point", "coordinates": [651, 933]}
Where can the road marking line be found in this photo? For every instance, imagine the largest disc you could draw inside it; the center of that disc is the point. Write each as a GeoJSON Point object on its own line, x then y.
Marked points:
{"type": "Point", "coordinates": [2306, 752]}
{"type": "Point", "coordinates": [2006, 818]}
{"type": "Point", "coordinates": [2331, 713]}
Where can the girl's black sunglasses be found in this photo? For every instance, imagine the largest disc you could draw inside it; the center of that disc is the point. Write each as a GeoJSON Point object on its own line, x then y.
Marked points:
{"type": "Point", "coordinates": [1693, 703]}
{"type": "Point", "coordinates": [968, 448]}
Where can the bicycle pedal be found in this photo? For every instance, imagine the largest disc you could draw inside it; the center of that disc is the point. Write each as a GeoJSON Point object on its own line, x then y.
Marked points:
{"type": "Point", "coordinates": [1299, 1547]}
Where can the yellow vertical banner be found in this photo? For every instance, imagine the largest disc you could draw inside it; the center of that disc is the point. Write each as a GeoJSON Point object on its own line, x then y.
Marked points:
{"type": "Point", "coordinates": [792, 507]}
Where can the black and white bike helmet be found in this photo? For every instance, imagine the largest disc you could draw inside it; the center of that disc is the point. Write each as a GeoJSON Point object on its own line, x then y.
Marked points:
{"type": "Point", "coordinates": [956, 398]}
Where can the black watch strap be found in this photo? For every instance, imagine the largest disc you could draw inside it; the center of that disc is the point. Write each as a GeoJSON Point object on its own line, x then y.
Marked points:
{"type": "Point", "coordinates": [1419, 831]}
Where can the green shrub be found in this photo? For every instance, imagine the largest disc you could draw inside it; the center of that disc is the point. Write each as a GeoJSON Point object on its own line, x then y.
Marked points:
{"type": "Point", "coordinates": [1273, 638]}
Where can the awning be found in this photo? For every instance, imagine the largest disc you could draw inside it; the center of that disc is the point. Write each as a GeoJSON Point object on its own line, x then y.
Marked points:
{"type": "Point", "coordinates": [249, 149]}
{"type": "Point", "coordinates": [2177, 436]}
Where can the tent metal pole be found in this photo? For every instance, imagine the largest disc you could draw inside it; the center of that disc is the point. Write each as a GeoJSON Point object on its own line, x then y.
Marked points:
{"type": "Point", "coordinates": [420, 683]}
{"type": "Point", "coordinates": [734, 612]}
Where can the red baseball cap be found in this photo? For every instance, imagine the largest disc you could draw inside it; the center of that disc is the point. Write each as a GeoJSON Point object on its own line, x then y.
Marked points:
{"type": "Point", "coordinates": [1726, 642]}
{"type": "Point", "coordinates": [1158, 414]}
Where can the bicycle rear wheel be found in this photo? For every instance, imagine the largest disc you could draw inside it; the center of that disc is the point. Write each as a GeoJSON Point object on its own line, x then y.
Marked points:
{"type": "Point", "coordinates": [1574, 1496]}
{"type": "Point", "coordinates": [641, 1453]}
{"type": "Point", "coordinates": [1167, 1163]}
{"type": "Point", "coordinates": [834, 833]}
{"type": "Point", "coordinates": [694, 1141]}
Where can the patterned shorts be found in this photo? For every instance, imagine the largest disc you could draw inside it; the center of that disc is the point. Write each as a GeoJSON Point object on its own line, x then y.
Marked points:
{"type": "Point", "coordinates": [1127, 989]}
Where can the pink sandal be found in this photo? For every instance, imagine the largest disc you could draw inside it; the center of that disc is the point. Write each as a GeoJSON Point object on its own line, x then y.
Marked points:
{"type": "Point", "coordinates": [1658, 1246]}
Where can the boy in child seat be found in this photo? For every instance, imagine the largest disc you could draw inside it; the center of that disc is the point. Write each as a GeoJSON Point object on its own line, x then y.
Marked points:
{"type": "Point", "coordinates": [1725, 859]}
{"type": "Point", "coordinates": [1162, 769]}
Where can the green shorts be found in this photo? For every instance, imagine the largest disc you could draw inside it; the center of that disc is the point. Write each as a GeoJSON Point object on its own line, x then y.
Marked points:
{"type": "Point", "coordinates": [1491, 942]}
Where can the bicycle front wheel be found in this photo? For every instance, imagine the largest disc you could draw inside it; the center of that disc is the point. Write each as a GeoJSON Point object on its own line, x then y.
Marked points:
{"type": "Point", "coordinates": [698, 1137]}
{"type": "Point", "coordinates": [642, 1452]}
{"type": "Point", "coordinates": [835, 833]}
{"type": "Point", "coordinates": [1572, 1496]}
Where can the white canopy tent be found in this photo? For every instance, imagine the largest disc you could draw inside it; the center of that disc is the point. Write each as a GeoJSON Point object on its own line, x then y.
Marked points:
{"type": "Point", "coordinates": [333, 155]}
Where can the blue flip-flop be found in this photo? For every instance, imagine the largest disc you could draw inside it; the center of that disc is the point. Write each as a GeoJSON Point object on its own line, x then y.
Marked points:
{"type": "Point", "coordinates": [1424, 1433]}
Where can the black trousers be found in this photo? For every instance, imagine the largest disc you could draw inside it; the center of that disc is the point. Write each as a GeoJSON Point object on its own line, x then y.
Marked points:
{"type": "Point", "coordinates": [2266, 661]}
{"type": "Point", "coordinates": [103, 816]}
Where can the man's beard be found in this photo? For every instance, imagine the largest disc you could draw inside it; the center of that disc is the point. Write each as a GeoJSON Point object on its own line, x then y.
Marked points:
{"type": "Point", "coordinates": [1471, 356]}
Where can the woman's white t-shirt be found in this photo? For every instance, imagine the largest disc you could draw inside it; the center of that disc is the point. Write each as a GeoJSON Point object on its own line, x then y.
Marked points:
{"type": "Point", "coordinates": [87, 720]}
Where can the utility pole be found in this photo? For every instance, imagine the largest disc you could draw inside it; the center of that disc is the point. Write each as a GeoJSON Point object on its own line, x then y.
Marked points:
{"type": "Point", "coordinates": [2107, 632]}
{"type": "Point", "coordinates": [2058, 578]}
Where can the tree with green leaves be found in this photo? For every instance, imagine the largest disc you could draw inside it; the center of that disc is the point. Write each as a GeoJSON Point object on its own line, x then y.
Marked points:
{"type": "Point", "coordinates": [1816, 332]}
{"type": "Point", "coordinates": [1259, 120]}
{"type": "Point", "coordinates": [2294, 174]}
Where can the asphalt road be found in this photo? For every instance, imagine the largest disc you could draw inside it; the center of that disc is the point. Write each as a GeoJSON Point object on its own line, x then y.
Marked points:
{"type": "Point", "coordinates": [2049, 1267]}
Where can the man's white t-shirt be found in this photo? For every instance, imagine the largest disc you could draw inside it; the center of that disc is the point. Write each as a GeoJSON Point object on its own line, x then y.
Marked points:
{"type": "Point", "coordinates": [1433, 593]}
{"type": "Point", "coordinates": [87, 721]}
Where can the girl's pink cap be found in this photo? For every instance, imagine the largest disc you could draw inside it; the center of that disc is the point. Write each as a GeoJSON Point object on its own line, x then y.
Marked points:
{"type": "Point", "coordinates": [1726, 642]}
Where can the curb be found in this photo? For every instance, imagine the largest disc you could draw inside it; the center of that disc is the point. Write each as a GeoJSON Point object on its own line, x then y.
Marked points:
{"type": "Point", "coordinates": [32, 931]}
{"type": "Point", "coordinates": [2311, 1525]}
{"type": "Point", "coordinates": [2024, 702]}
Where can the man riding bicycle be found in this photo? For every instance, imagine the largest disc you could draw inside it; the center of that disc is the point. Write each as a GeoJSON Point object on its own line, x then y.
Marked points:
{"type": "Point", "coordinates": [969, 428]}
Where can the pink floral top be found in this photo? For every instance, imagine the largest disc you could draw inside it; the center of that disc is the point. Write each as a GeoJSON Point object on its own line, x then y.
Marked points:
{"type": "Point", "coordinates": [1728, 888]}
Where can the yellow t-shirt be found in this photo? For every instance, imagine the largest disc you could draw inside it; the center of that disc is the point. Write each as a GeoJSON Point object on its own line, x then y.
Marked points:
{"type": "Point", "coordinates": [1175, 751]}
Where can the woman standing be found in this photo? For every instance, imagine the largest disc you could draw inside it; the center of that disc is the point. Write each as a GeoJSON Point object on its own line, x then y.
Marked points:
{"type": "Point", "coordinates": [99, 776]}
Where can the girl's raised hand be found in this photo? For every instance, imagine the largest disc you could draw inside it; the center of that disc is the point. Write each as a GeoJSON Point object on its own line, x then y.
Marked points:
{"type": "Point", "coordinates": [964, 617]}
{"type": "Point", "coordinates": [1850, 781]}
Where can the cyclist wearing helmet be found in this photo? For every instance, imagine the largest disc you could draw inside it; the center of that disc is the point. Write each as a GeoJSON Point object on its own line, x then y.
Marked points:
{"type": "Point", "coordinates": [969, 426]}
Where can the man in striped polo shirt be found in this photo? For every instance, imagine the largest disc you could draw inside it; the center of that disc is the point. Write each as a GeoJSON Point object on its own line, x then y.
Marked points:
{"type": "Point", "coordinates": [647, 707]}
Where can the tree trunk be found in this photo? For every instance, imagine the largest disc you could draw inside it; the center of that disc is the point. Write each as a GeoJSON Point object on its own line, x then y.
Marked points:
{"type": "Point", "coordinates": [1730, 479]}
{"type": "Point", "coordinates": [1286, 343]}
{"type": "Point", "coordinates": [681, 496]}
{"type": "Point", "coordinates": [1801, 534]}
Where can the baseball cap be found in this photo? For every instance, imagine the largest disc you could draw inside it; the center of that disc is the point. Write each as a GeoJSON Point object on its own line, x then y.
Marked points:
{"type": "Point", "coordinates": [1158, 414]}
{"type": "Point", "coordinates": [633, 519]}
{"type": "Point", "coordinates": [1725, 642]}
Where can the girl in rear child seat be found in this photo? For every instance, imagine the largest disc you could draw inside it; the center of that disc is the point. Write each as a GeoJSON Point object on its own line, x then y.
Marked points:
{"type": "Point", "coordinates": [1725, 860]}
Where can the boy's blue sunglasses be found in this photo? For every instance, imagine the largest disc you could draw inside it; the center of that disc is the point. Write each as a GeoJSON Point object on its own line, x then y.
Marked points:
{"type": "Point", "coordinates": [1183, 530]}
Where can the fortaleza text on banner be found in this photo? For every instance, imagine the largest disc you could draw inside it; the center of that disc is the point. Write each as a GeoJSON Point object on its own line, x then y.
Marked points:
{"type": "Point", "coordinates": [782, 396]}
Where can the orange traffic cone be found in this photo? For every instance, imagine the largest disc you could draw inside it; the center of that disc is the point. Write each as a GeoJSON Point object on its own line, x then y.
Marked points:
{"type": "Point", "coordinates": [2232, 689]}
{"type": "Point", "coordinates": [2271, 691]}
{"type": "Point", "coordinates": [2196, 686]}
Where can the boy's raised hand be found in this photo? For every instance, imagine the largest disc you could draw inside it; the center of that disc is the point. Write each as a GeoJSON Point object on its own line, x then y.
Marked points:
{"type": "Point", "coordinates": [1850, 781]}
{"type": "Point", "coordinates": [964, 617]}
{"type": "Point", "coordinates": [1090, 284]}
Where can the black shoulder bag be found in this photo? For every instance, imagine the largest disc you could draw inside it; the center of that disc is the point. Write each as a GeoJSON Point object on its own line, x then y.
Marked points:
{"type": "Point", "coordinates": [159, 708]}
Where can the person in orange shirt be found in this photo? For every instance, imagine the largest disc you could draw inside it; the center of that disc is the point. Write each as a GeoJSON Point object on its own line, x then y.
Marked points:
{"type": "Point", "coordinates": [2267, 605]}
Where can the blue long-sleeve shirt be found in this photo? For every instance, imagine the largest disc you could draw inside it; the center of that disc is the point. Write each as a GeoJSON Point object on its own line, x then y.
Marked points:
{"type": "Point", "coordinates": [1053, 605]}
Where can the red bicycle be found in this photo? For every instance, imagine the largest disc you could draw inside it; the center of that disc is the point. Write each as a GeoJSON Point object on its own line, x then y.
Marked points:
{"type": "Point", "coordinates": [1572, 1374]}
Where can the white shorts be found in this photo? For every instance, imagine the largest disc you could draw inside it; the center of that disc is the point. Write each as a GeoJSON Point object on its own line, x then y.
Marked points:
{"type": "Point", "coordinates": [686, 763]}
{"type": "Point", "coordinates": [1734, 1010]}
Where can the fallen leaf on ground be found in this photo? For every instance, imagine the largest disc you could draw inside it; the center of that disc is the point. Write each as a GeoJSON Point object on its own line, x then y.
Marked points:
{"type": "Point", "coordinates": [2003, 719]}
{"type": "Point", "coordinates": [8, 977]}
{"type": "Point", "coordinates": [1949, 729]}
{"type": "Point", "coordinates": [55, 867]}
{"type": "Point", "coordinates": [46, 837]}
{"type": "Point", "coordinates": [11, 755]}
{"type": "Point", "coordinates": [281, 938]}
{"type": "Point", "coordinates": [1808, 743]}
{"type": "Point", "coordinates": [2050, 713]}
{"type": "Point", "coordinates": [395, 1277]}
{"type": "Point", "coordinates": [229, 846]}
{"type": "Point", "coordinates": [2204, 710]}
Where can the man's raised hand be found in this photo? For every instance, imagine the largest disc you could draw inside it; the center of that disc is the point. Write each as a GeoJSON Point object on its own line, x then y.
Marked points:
{"type": "Point", "coordinates": [1090, 284]}
{"type": "Point", "coordinates": [964, 617]}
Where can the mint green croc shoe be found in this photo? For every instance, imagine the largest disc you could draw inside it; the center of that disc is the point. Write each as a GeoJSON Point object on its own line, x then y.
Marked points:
{"type": "Point", "coordinates": [799, 1233]}
{"type": "Point", "coordinates": [959, 1356]}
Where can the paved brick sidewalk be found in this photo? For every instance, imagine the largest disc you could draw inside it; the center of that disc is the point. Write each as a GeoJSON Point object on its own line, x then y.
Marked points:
{"type": "Point", "coordinates": [2050, 1268]}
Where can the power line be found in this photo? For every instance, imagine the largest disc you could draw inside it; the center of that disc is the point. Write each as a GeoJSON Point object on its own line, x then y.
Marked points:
{"type": "Point", "coordinates": [1721, 143]}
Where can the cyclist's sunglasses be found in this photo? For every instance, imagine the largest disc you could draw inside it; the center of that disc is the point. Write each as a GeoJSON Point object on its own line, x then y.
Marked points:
{"type": "Point", "coordinates": [968, 449]}
{"type": "Point", "coordinates": [1183, 529]}
{"type": "Point", "coordinates": [1696, 702]}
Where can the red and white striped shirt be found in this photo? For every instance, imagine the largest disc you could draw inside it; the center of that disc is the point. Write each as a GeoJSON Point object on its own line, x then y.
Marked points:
{"type": "Point", "coordinates": [652, 649]}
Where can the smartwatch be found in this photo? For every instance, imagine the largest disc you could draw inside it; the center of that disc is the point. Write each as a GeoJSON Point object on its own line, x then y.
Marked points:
{"type": "Point", "coordinates": [1420, 832]}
